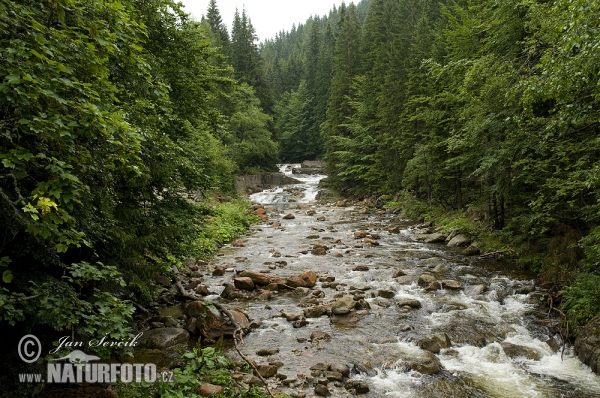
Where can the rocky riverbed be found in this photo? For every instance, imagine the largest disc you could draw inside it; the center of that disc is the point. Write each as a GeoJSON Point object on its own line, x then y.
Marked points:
{"type": "Point", "coordinates": [347, 299]}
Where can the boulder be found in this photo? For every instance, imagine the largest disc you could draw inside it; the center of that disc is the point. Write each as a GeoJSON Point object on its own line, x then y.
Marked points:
{"type": "Point", "coordinates": [471, 251]}
{"type": "Point", "coordinates": [163, 338]}
{"type": "Point", "coordinates": [360, 235]}
{"type": "Point", "coordinates": [343, 305]}
{"type": "Point", "coordinates": [434, 238]}
{"type": "Point", "coordinates": [257, 277]}
{"type": "Point", "coordinates": [425, 280]}
{"type": "Point", "coordinates": [416, 304]}
{"type": "Point", "coordinates": [360, 386]}
{"type": "Point", "coordinates": [318, 335]}
{"type": "Point", "coordinates": [514, 351]}
{"type": "Point", "coordinates": [163, 358]}
{"type": "Point", "coordinates": [243, 283]}
{"type": "Point", "coordinates": [344, 370]}
{"type": "Point", "coordinates": [267, 371]}
{"type": "Point", "coordinates": [475, 290]}
{"type": "Point", "coordinates": [371, 241]}
{"type": "Point", "coordinates": [289, 216]}
{"type": "Point", "coordinates": [310, 277]}
{"type": "Point", "coordinates": [296, 281]}
{"type": "Point", "coordinates": [388, 294]}
{"type": "Point", "coordinates": [426, 363]}
{"type": "Point", "coordinates": [211, 323]}
{"type": "Point", "coordinates": [451, 284]}
{"type": "Point", "coordinates": [318, 251]}
{"type": "Point", "coordinates": [587, 345]}
{"type": "Point", "coordinates": [459, 240]}
{"type": "Point", "coordinates": [322, 391]}
{"type": "Point", "coordinates": [315, 312]}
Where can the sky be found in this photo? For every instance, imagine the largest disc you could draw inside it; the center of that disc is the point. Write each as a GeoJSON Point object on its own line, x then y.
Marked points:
{"type": "Point", "coordinates": [268, 16]}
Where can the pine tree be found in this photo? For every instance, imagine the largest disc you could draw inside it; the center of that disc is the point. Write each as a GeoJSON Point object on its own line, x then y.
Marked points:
{"type": "Point", "coordinates": [218, 28]}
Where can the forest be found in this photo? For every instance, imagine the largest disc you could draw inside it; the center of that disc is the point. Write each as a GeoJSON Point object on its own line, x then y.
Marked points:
{"type": "Point", "coordinates": [116, 114]}
{"type": "Point", "coordinates": [477, 114]}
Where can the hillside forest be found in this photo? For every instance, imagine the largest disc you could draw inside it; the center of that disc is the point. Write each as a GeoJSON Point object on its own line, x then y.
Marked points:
{"type": "Point", "coordinates": [125, 123]}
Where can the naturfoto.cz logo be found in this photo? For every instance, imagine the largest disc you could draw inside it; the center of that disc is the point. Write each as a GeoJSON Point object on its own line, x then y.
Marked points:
{"type": "Point", "coordinates": [78, 367]}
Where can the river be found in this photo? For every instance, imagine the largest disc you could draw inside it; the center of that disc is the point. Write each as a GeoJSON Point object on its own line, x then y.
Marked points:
{"type": "Point", "coordinates": [501, 340]}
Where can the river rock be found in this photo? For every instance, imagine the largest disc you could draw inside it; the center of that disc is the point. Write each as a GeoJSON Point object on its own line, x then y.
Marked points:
{"type": "Point", "coordinates": [471, 251]}
{"type": "Point", "coordinates": [440, 269]}
{"type": "Point", "coordinates": [425, 363]}
{"type": "Point", "coordinates": [267, 371]}
{"type": "Point", "coordinates": [343, 305]}
{"type": "Point", "coordinates": [243, 283]}
{"type": "Point", "coordinates": [434, 238]}
{"type": "Point", "coordinates": [257, 277]}
{"type": "Point", "coordinates": [318, 251]}
{"type": "Point", "coordinates": [360, 235]}
{"type": "Point", "coordinates": [319, 335]}
{"type": "Point", "coordinates": [296, 281]}
{"type": "Point", "coordinates": [322, 390]}
{"type": "Point", "coordinates": [264, 352]}
{"type": "Point", "coordinates": [405, 280]}
{"type": "Point", "coordinates": [413, 303]}
{"type": "Point", "coordinates": [341, 368]}
{"type": "Point", "coordinates": [310, 277]}
{"type": "Point", "coordinates": [514, 351]}
{"type": "Point", "coordinates": [587, 344]}
{"type": "Point", "coordinates": [208, 390]}
{"type": "Point", "coordinates": [333, 376]}
{"type": "Point", "coordinates": [360, 268]}
{"type": "Point", "coordinates": [459, 240]}
{"type": "Point", "coordinates": [451, 284]}
{"type": "Point", "coordinates": [315, 312]}
{"type": "Point", "coordinates": [291, 317]}
{"type": "Point", "coordinates": [360, 386]}
{"type": "Point", "coordinates": [163, 280]}
{"type": "Point", "coordinates": [475, 290]}
{"type": "Point", "coordinates": [371, 241]}
{"type": "Point", "coordinates": [388, 294]}
{"type": "Point", "coordinates": [211, 323]}
{"type": "Point", "coordinates": [219, 271]}
{"type": "Point", "coordinates": [425, 280]}
{"type": "Point", "coordinates": [399, 273]}
{"type": "Point", "coordinates": [289, 216]}
{"type": "Point", "coordinates": [163, 338]}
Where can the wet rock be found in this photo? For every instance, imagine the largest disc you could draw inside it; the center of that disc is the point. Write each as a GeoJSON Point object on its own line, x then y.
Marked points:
{"type": "Point", "coordinates": [163, 338]}
{"type": "Point", "coordinates": [440, 269]}
{"type": "Point", "coordinates": [425, 280]}
{"type": "Point", "coordinates": [360, 235]}
{"type": "Point", "coordinates": [322, 390]}
{"type": "Point", "coordinates": [313, 237]}
{"type": "Point", "coordinates": [388, 294]}
{"type": "Point", "coordinates": [426, 363]}
{"type": "Point", "coordinates": [361, 387]}
{"type": "Point", "coordinates": [291, 317]}
{"type": "Point", "coordinates": [163, 280]}
{"type": "Point", "coordinates": [319, 335]}
{"type": "Point", "coordinates": [451, 284]}
{"type": "Point", "coordinates": [211, 323]}
{"type": "Point", "coordinates": [315, 312]}
{"type": "Point", "coordinates": [412, 303]}
{"type": "Point", "coordinates": [296, 281]}
{"type": "Point", "coordinates": [405, 280]}
{"type": "Point", "coordinates": [243, 283]}
{"type": "Point", "coordinates": [360, 268]}
{"type": "Point", "coordinates": [289, 216]}
{"type": "Point", "coordinates": [404, 328]}
{"type": "Point", "coordinates": [228, 292]}
{"type": "Point", "coordinates": [156, 325]}
{"type": "Point", "coordinates": [208, 390]}
{"type": "Point", "coordinates": [267, 371]}
{"type": "Point", "coordinates": [514, 351]}
{"type": "Point", "coordinates": [219, 271]}
{"type": "Point", "coordinates": [433, 286]}
{"type": "Point", "coordinates": [202, 290]}
{"type": "Point", "coordinates": [311, 213]}
{"type": "Point", "coordinates": [343, 305]}
{"type": "Point", "coordinates": [475, 290]}
{"type": "Point", "coordinates": [429, 344]}
{"type": "Point", "coordinates": [431, 262]}
{"type": "Point", "coordinates": [191, 326]}
{"type": "Point", "coordinates": [263, 352]}
{"type": "Point", "coordinates": [371, 241]}
{"type": "Point", "coordinates": [340, 368]}
{"type": "Point", "coordinates": [394, 230]}
{"type": "Point", "coordinates": [321, 218]}
{"type": "Point", "coordinates": [252, 380]}
{"type": "Point", "coordinates": [341, 203]}
{"type": "Point", "coordinates": [471, 251]}
{"type": "Point", "coordinates": [434, 238]}
{"type": "Point", "coordinates": [333, 376]}
{"type": "Point", "coordinates": [310, 277]}
{"type": "Point", "coordinates": [399, 273]}
{"type": "Point", "coordinates": [443, 340]}
{"type": "Point", "coordinates": [257, 277]}
{"type": "Point", "coordinates": [320, 366]}
{"type": "Point", "coordinates": [238, 243]}
{"type": "Point", "coordinates": [318, 251]}
{"type": "Point", "coordinates": [525, 289]}
{"type": "Point", "coordinates": [459, 241]}
{"type": "Point", "coordinates": [300, 323]}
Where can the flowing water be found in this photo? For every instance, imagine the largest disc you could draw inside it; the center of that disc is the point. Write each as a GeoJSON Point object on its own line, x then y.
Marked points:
{"type": "Point", "coordinates": [380, 341]}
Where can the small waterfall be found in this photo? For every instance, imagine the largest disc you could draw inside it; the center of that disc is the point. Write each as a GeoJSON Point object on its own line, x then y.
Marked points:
{"type": "Point", "coordinates": [304, 192]}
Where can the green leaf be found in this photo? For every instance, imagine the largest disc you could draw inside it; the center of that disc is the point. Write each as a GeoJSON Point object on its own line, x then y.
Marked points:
{"type": "Point", "coordinates": [7, 276]}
